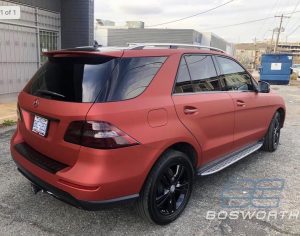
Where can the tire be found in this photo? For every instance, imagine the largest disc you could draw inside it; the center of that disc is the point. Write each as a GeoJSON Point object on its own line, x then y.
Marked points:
{"type": "Point", "coordinates": [272, 137]}
{"type": "Point", "coordinates": [167, 189]}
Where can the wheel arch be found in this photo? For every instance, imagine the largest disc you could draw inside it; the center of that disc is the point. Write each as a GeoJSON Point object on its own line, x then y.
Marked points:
{"type": "Point", "coordinates": [187, 149]}
{"type": "Point", "coordinates": [282, 115]}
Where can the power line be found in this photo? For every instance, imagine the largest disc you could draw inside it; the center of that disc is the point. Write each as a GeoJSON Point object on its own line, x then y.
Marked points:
{"type": "Point", "coordinates": [295, 8]}
{"type": "Point", "coordinates": [294, 30]}
{"type": "Point", "coordinates": [241, 23]}
{"type": "Point", "coordinates": [247, 22]}
{"type": "Point", "coordinates": [187, 17]}
{"type": "Point", "coordinates": [264, 23]}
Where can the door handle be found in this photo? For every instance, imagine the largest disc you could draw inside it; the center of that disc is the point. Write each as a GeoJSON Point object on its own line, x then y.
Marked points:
{"type": "Point", "coordinates": [240, 103]}
{"type": "Point", "coordinates": [188, 110]}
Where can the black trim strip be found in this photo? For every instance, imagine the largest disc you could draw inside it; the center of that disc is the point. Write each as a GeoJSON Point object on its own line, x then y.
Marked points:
{"type": "Point", "coordinates": [39, 159]}
{"type": "Point", "coordinates": [68, 198]}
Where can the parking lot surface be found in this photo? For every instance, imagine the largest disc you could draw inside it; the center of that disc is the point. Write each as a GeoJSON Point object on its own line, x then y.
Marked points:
{"type": "Point", "coordinates": [23, 213]}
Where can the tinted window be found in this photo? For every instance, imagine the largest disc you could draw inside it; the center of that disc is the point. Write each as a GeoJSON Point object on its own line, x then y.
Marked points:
{"type": "Point", "coordinates": [203, 73]}
{"type": "Point", "coordinates": [132, 76]}
{"type": "Point", "coordinates": [234, 77]}
{"type": "Point", "coordinates": [183, 81]}
{"type": "Point", "coordinates": [89, 79]}
{"type": "Point", "coordinates": [72, 79]}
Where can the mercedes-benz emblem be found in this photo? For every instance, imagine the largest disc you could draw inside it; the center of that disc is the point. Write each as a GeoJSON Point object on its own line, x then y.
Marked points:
{"type": "Point", "coordinates": [36, 103]}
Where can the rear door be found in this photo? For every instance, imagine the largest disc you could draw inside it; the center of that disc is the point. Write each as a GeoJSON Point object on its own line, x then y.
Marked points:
{"type": "Point", "coordinates": [202, 107]}
{"type": "Point", "coordinates": [252, 109]}
{"type": "Point", "coordinates": [63, 90]}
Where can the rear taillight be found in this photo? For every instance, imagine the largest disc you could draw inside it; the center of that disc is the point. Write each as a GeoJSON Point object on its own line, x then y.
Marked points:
{"type": "Point", "coordinates": [73, 134]}
{"type": "Point", "coordinates": [97, 134]}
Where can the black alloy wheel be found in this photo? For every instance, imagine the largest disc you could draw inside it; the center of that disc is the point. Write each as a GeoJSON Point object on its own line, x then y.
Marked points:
{"type": "Point", "coordinates": [167, 189]}
{"type": "Point", "coordinates": [172, 188]}
{"type": "Point", "coordinates": [271, 140]}
{"type": "Point", "coordinates": [276, 131]}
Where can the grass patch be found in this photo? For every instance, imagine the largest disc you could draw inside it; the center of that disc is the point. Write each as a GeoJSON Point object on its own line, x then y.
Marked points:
{"type": "Point", "coordinates": [6, 123]}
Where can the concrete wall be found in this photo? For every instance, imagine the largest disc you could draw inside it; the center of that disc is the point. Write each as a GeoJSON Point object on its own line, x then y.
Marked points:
{"type": "Point", "coordinates": [77, 23]}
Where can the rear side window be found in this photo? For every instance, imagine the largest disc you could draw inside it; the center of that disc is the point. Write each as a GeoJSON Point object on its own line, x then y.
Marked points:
{"type": "Point", "coordinates": [132, 76]}
{"type": "Point", "coordinates": [101, 79]}
{"type": "Point", "coordinates": [234, 77]}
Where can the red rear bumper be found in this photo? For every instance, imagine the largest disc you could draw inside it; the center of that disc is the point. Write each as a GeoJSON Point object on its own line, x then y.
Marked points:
{"type": "Point", "coordinates": [98, 176]}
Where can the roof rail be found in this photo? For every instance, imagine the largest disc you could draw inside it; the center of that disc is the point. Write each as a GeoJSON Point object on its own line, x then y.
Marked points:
{"type": "Point", "coordinates": [137, 46]}
{"type": "Point", "coordinates": [84, 48]}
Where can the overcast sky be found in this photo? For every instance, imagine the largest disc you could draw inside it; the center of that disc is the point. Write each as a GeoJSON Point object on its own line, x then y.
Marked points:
{"type": "Point", "coordinates": [158, 11]}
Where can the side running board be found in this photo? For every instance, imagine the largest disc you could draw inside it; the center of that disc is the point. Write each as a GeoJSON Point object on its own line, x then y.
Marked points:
{"type": "Point", "coordinates": [228, 160]}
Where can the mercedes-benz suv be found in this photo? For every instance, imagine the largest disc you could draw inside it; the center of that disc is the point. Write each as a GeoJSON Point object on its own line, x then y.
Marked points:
{"type": "Point", "coordinates": [101, 125]}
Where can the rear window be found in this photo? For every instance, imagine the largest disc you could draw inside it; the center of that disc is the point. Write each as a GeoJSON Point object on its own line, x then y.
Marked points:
{"type": "Point", "coordinates": [100, 79]}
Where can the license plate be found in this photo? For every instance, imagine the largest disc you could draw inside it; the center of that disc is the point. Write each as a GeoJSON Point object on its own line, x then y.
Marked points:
{"type": "Point", "coordinates": [40, 125]}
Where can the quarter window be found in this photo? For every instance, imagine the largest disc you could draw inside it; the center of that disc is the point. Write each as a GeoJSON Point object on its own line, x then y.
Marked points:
{"type": "Point", "coordinates": [183, 83]}
{"type": "Point", "coordinates": [132, 76]}
{"type": "Point", "coordinates": [233, 76]}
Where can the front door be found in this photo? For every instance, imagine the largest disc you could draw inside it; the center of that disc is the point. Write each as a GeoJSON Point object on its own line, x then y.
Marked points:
{"type": "Point", "coordinates": [252, 113]}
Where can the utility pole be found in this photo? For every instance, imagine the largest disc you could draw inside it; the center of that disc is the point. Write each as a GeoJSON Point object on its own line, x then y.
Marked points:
{"type": "Point", "coordinates": [273, 32]}
{"type": "Point", "coordinates": [279, 31]}
{"type": "Point", "coordinates": [254, 61]}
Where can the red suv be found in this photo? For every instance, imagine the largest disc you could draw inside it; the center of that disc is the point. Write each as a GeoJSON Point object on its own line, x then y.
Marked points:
{"type": "Point", "coordinates": [103, 125]}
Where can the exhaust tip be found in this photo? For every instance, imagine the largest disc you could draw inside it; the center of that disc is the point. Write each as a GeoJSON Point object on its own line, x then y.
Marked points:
{"type": "Point", "coordinates": [35, 189]}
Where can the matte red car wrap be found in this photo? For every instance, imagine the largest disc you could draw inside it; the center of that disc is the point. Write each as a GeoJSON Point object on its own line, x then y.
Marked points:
{"type": "Point", "coordinates": [151, 119]}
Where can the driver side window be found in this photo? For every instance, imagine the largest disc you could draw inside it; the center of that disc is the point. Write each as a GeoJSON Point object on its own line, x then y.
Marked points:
{"type": "Point", "coordinates": [233, 76]}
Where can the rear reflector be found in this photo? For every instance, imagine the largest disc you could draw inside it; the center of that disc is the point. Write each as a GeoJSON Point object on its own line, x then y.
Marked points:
{"type": "Point", "coordinates": [78, 186]}
{"type": "Point", "coordinates": [97, 134]}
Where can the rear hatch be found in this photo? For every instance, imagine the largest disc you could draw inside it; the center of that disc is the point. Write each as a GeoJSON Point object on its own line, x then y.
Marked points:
{"type": "Point", "coordinates": [63, 90]}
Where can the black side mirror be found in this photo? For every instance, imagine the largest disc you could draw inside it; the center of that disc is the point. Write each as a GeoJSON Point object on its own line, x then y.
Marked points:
{"type": "Point", "coordinates": [263, 87]}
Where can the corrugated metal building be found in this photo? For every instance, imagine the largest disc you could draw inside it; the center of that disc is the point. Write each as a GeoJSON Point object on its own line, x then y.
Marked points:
{"type": "Point", "coordinates": [213, 40]}
{"type": "Point", "coordinates": [116, 36]}
{"type": "Point", "coordinates": [44, 25]}
{"type": "Point", "coordinates": [120, 37]}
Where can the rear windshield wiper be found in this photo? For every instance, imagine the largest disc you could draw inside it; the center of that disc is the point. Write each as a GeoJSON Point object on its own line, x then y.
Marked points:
{"type": "Point", "coordinates": [47, 92]}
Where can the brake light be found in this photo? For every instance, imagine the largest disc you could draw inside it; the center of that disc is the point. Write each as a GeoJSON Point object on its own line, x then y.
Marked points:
{"type": "Point", "coordinates": [73, 134]}
{"type": "Point", "coordinates": [97, 134]}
